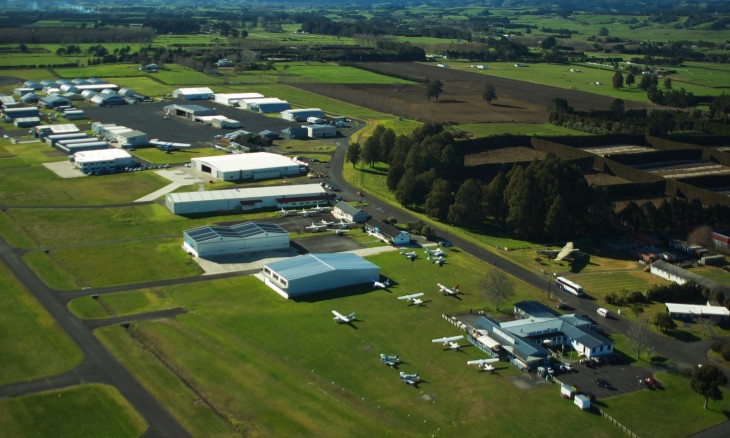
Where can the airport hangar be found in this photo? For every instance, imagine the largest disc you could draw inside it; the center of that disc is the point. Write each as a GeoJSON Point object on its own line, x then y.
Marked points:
{"type": "Point", "coordinates": [253, 166]}
{"type": "Point", "coordinates": [312, 273]}
{"type": "Point", "coordinates": [243, 238]}
{"type": "Point", "coordinates": [248, 199]}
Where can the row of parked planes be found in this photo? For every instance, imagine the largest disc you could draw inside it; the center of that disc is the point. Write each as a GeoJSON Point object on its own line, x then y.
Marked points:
{"type": "Point", "coordinates": [449, 343]}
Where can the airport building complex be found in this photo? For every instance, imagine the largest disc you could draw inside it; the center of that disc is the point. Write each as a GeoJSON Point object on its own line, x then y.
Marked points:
{"type": "Point", "coordinates": [311, 273]}
{"type": "Point", "coordinates": [247, 199]}
{"type": "Point", "coordinates": [243, 238]}
{"type": "Point", "coordinates": [97, 162]}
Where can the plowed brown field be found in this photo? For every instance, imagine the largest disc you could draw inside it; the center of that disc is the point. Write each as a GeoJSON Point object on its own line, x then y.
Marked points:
{"type": "Point", "coordinates": [461, 101]}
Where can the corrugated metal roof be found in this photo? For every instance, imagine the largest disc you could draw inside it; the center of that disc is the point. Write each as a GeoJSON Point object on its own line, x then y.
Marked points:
{"type": "Point", "coordinates": [237, 231]}
{"type": "Point", "coordinates": [100, 155]}
{"type": "Point", "coordinates": [249, 192]}
{"type": "Point", "coordinates": [196, 90]}
{"type": "Point", "coordinates": [252, 161]}
{"type": "Point", "coordinates": [312, 264]}
{"type": "Point", "coordinates": [697, 309]}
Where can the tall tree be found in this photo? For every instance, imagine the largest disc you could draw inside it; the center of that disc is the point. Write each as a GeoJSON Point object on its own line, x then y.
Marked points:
{"type": "Point", "coordinates": [497, 287]}
{"type": "Point", "coordinates": [353, 153]}
{"type": "Point", "coordinates": [667, 82]}
{"type": "Point", "coordinates": [439, 199]}
{"type": "Point", "coordinates": [490, 93]}
{"type": "Point", "coordinates": [638, 334]}
{"type": "Point", "coordinates": [466, 209]}
{"type": "Point", "coordinates": [617, 80]}
{"type": "Point", "coordinates": [630, 79]}
{"type": "Point", "coordinates": [406, 191]}
{"type": "Point", "coordinates": [707, 380]}
{"type": "Point", "coordinates": [493, 202]}
{"type": "Point", "coordinates": [434, 89]}
{"type": "Point", "coordinates": [370, 152]}
{"type": "Point", "coordinates": [662, 321]}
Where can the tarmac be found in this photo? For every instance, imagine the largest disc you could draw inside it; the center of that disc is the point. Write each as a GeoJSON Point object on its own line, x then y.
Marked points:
{"type": "Point", "coordinates": [180, 177]}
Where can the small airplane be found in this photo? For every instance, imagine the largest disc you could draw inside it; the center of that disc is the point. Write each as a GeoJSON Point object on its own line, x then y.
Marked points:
{"type": "Point", "coordinates": [339, 232]}
{"type": "Point", "coordinates": [325, 223]}
{"type": "Point", "coordinates": [343, 319]}
{"type": "Point", "coordinates": [283, 212]}
{"type": "Point", "coordinates": [568, 252]}
{"type": "Point", "coordinates": [413, 299]}
{"type": "Point", "coordinates": [344, 224]}
{"type": "Point", "coordinates": [448, 291]}
{"type": "Point", "coordinates": [318, 209]}
{"type": "Point", "coordinates": [316, 227]}
{"type": "Point", "coordinates": [391, 361]}
{"type": "Point", "coordinates": [409, 255]}
{"type": "Point", "coordinates": [381, 284]}
{"type": "Point", "coordinates": [410, 379]}
{"type": "Point", "coordinates": [436, 260]}
{"type": "Point", "coordinates": [483, 364]}
{"type": "Point", "coordinates": [449, 342]}
{"type": "Point", "coordinates": [306, 213]}
{"type": "Point", "coordinates": [168, 146]}
{"type": "Point", "coordinates": [438, 252]}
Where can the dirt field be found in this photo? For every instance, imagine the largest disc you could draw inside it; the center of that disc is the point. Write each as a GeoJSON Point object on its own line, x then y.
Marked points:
{"type": "Point", "coordinates": [461, 101]}
{"type": "Point", "coordinates": [516, 154]}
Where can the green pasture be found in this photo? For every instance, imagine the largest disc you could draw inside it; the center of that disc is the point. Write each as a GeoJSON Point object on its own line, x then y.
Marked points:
{"type": "Point", "coordinates": [717, 274]}
{"type": "Point", "coordinates": [99, 265]}
{"type": "Point", "coordinates": [331, 73]}
{"type": "Point", "coordinates": [143, 84]}
{"type": "Point", "coordinates": [33, 345]}
{"type": "Point", "coordinates": [36, 185]}
{"type": "Point", "coordinates": [283, 367]}
{"type": "Point", "coordinates": [175, 74]}
{"type": "Point", "coordinates": [295, 147]}
{"type": "Point", "coordinates": [490, 129]}
{"type": "Point", "coordinates": [259, 38]}
{"type": "Point", "coordinates": [31, 59]}
{"type": "Point", "coordinates": [25, 74]}
{"type": "Point", "coordinates": [25, 155]}
{"type": "Point", "coordinates": [101, 71]}
{"type": "Point", "coordinates": [87, 410]}
{"type": "Point", "coordinates": [649, 413]}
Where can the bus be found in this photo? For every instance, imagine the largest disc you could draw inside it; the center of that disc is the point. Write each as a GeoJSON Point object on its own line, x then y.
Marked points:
{"type": "Point", "coordinates": [568, 286]}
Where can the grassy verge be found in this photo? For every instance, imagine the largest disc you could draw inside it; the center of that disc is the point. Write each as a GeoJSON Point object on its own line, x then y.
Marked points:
{"type": "Point", "coordinates": [33, 345]}
{"type": "Point", "coordinates": [489, 129]}
{"type": "Point", "coordinates": [87, 410]}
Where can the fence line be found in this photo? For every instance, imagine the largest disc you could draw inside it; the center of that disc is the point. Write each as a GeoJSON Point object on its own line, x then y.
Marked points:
{"type": "Point", "coordinates": [613, 421]}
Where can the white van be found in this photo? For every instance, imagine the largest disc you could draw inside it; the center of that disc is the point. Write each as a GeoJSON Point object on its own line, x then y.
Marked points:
{"type": "Point", "coordinates": [603, 312]}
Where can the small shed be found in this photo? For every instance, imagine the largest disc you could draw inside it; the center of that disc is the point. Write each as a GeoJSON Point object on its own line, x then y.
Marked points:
{"type": "Point", "coordinates": [582, 401]}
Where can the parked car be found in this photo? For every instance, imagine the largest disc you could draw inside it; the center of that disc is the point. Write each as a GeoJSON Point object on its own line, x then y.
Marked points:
{"type": "Point", "coordinates": [568, 367]}
{"type": "Point", "coordinates": [652, 383]}
{"type": "Point", "coordinates": [603, 383]}
{"type": "Point", "coordinates": [563, 306]}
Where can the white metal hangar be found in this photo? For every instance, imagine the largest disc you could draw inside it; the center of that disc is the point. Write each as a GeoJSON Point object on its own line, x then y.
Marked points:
{"type": "Point", "coordinates": [311, 273]}
{"type": "Point", "coordinates": [243, 238]}
{"type": "Point", "coordinates": [200, 93]}
{"type": "Point", "coordinates": [247, 199]}
{"type": "Point", "coordinates": [254, 166]}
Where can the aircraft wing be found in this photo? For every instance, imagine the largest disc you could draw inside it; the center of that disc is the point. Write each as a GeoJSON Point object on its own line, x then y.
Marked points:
{"type": "Point", "coordinates": [447, 339]}
{"type": "Point", "coordinates": [481, 361]}
{"type": "Point", "coordinates": [565, 252]}
{"type": "Point", "coordinates": [338, 315]}
{"type": "Point", "coordinates": [408, 297]}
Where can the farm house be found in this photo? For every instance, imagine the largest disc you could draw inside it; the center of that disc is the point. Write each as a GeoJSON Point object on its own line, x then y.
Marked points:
{"type": "Point", "coordinates": [311, 273]}
{"type": "Point", "coordinates": [243, 238]}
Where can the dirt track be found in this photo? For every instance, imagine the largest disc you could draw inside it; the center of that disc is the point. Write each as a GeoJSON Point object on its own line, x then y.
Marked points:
{"type": "Point", "coordinates": [461, 101]}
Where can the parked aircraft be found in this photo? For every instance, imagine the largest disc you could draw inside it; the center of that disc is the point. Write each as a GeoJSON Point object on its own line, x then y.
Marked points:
{"type": "Point", "coordinates": [339, 232]}
{"type": "Point", "coordinates": [410, 379]}
{"type": "Point", "coordinates": [483, 364]}
{"type": "Point", "coordinates": [316, 227]}
{"type": "Point", "coordinates": [319, 209]}
{"type": "Point", "coordinates": [568, 252]}
{"type": "Point", "coordinates": [283, 212]}
{"type": "Point", "coordinates": [343, 319]}
{"type": "Point", "coordinates": [381, 284]}
{"type": "Point", "coordinates": [410, 255]}
{"type": "Point", "coordinates": [325, 223]}
{"type": "Point", "coordinates": [438, 252]}
{"type": "Point", "coordinates": [391, 361]}
{"type": "Point", "coordinates": [436, 260]}
{"type": "Point", "coordinates": [306, 213]}
{"type": "Point", "coordinates": [449, 342]}
{"type": "Point", "coordinates": [168, 146]}
{"type": "Point", "coordinates": [448, 291]}
{"type": "Point", "coordinates": [413, 299]}
{"type": "Point", "coordinates": [344, 224]}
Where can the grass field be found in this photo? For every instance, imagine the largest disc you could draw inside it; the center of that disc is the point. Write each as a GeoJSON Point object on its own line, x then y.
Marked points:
{"type": "Point", "coordinates": [294, 350]}
{"type": "Point", "coordinates": [489, 129]}
{"type": "Point", "coordinates": [87, 410]}
{"type": "Point", "coordinates": [33, 345]}
{"type": "Point", "coordinates": [331, 73]}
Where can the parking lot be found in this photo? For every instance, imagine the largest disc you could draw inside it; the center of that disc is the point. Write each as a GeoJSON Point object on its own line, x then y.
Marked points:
{"type": "Point", "coordinates": [149, 118]}
{"type": "Point", "coordinates": [623, 378]}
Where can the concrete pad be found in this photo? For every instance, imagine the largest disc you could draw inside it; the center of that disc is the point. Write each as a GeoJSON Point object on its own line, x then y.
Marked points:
{"type": "Point", "coordinates": [179, 176]}
{"type": "Point", "coordinates": [64, 169]}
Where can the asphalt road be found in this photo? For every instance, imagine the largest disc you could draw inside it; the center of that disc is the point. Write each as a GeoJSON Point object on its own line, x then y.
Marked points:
{"type": "Point", "coordinates": [99, 364]}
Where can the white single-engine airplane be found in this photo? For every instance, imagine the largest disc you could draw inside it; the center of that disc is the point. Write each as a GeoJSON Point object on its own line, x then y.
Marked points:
{"type": "Point", "coordinates": [436, 260]}
{"type": "Point", "coordinates": [483, 364]}
{"type": "Point", "coordinates": [449, 342]}
{"type": "Point", "coordinates": [319, 209]}
{"type": "Point", "coordinates": [316, 227]}
{"type": "Point", "coordinates": [283, 212]}
{"type": "Point", "coordinates": [381, 284]}
{"type": "Point", "coordinates": [306, 213]}
{"type": "Point", "coordinates": [413, 299]}
{"type": "Point", "coordinates": [448, 291]}
{"type": "Point", "coordinates": [410, 255]}
{"type": "Point", "coordinates": [435, 252]}
{"type": "Point", "coordinates": [325, 223]}
{"type": "Point", "coordinates": [410, 379]}
{"type": "Point", "coordinates": [338, 232]}
{"type": "Point", "coordinates": [343, 319]}
{"type": "Point", "coordinates": [344, 224]}
{"type": "Point", "coordinates": [391, 361]}
{"type": "Point", "coordinates": [568, 252]}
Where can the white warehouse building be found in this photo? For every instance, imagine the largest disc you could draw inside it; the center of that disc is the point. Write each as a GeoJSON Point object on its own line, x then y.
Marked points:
{"type": "Point", "coordinates": [243, 238]}
{"type": "Point", "coordinates": [102, 161]}
{"type": "Point", "coordinates": [248, 198]}
{"type": "Point", "coordinates": [321, 131]}
{"type": "Point", "coordinates": [232, 99]}
{"type": "Point", "coordinates": [254, 166]}
{"type": "Point", "coordinates": [311, 273]}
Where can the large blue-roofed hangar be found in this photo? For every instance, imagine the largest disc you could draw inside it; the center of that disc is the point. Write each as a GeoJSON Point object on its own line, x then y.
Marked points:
{"type": "Point", "coordinates": [312, 273]}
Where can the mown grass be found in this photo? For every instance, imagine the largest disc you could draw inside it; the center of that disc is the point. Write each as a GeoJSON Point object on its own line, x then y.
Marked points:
{"type": "Point", "coordinates": [332, 73]}
{"type": "Point", "coordinates": [86, 410]}
{"type": "Point", "coordinates": [32, 345]}
{"type": "Point", "coordinates": [490, 129]}
{"type": "Point", "coordinates": [283, 367]}
{"type": "Point", "coordinates": [654, 417]}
